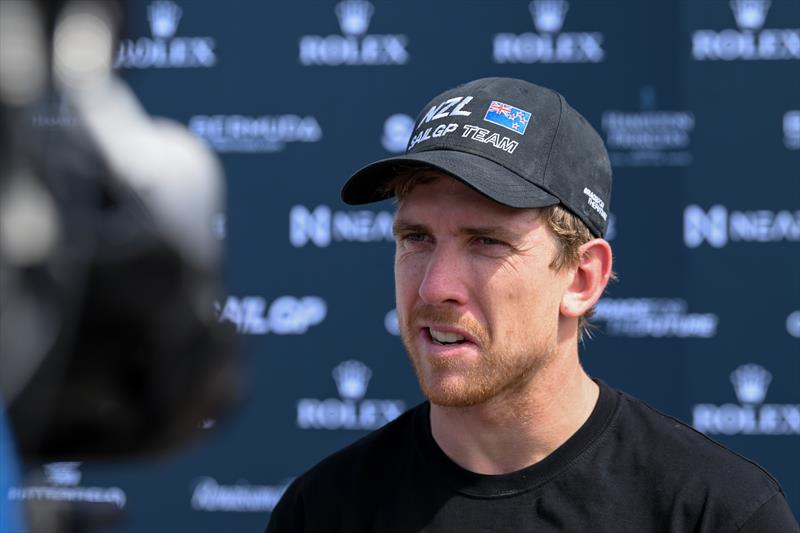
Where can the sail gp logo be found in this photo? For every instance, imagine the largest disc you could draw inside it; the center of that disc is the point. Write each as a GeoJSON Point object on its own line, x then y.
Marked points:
{"type": "Point", "coordinates": [750, 41]}
{"type": "Point", "coordinates": [351, 410]}
{"type": "Point", "coordinates": [549, 44]}
{"type": "Point", "coordinates": [163, 49]}
{"type": "Point", "coordinates": [286, 315]}
{"type": "Point", "coordinates": [751, 416]}
{"type": "Point", "coordinates": [354, 46]}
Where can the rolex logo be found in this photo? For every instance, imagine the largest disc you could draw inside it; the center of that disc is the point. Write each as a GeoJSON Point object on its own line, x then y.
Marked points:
{"type": "Point", "coordinates": [164, 49]}
{"type": "Point", "coordinates": [750, 14]}
{"type": "Point", "coordinates": [752, 416]}
{"type": "Point", "coordinates": [354, 16]}
{"type": "Point", "coordinates": [352, 46]}
{"type": "Point", "coordinates": [548, 15]}
{"type": "Point", "coordinates": [351, 410]}
{"type": "Point", "coordinates": [164, 17]}
{"type": "Point", "coordinates": [352, 378]}
{"type": "Point", "coordinates": [751, 383]}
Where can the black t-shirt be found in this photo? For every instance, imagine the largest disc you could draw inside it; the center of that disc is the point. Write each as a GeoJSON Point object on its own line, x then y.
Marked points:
{"type": "Point", "coordinates": [628, 468]}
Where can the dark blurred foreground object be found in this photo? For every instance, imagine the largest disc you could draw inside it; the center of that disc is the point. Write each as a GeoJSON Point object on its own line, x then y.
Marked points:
{"type": "Point", "coordinates": [109, 266]}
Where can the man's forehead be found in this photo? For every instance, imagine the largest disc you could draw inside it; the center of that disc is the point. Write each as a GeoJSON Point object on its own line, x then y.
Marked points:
{"type": "Point", "coordinates": [436, 186]}
{"type": "Point", "coordinates": [446, 200]}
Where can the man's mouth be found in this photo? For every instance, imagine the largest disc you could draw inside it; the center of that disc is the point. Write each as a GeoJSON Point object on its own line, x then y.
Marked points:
{"type": "Point", "coordinates": [445, 338]}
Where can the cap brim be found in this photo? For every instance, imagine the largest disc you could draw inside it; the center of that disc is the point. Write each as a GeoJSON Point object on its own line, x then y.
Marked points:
{"type": "Point", "coordinates": [487, 177]}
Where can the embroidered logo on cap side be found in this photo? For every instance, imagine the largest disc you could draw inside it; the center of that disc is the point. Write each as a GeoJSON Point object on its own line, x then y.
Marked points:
{"type": "Point", "coordinates": [508, 116]}
{"type": "Point", "coordinates": [595, 203]}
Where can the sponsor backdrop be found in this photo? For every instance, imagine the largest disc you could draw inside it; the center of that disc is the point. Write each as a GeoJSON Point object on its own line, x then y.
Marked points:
{"type": "Point", "coordinates": [699, 104]}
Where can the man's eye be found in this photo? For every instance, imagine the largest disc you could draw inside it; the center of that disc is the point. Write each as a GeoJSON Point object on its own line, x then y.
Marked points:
{"type": "Point", "coordinates": [488, 241]}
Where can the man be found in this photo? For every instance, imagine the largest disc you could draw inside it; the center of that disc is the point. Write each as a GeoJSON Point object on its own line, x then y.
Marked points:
{"type": "Point", "coordinates": [503, 200]}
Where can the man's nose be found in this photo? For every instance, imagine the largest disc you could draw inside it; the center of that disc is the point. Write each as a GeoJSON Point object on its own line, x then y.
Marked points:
{"type": "Point", "coordinates": [444, 278]}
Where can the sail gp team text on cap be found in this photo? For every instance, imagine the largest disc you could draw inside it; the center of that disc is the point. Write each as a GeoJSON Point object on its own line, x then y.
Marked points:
{"type": "Point", "coordinates": [499, 113]}
{"type": "Point", "coordinates": [518, 143]}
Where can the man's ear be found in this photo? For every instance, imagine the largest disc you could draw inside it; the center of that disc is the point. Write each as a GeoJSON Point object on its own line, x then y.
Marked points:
{"type": "Point", "coordinates": [589, 279]}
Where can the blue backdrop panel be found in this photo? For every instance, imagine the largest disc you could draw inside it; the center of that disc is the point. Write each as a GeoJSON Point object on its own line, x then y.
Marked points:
{"type": "Point", "coordinates": [699, 104]}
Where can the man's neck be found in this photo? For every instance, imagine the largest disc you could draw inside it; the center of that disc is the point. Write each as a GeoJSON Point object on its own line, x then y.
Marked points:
{"type": "Point", "coordinates": [510, 433]}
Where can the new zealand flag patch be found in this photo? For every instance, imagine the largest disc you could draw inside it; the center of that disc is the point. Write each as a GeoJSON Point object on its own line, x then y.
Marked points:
{"type": "Point", "coordinates": [508, 116]}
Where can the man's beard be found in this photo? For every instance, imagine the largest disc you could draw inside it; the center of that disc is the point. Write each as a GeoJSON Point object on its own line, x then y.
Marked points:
{"type": "Point", "coordinates": [495, 374]}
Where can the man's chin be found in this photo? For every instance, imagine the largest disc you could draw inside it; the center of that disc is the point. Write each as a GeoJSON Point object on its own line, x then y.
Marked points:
{"type": "Point", "coordinates": [449, 382]}
{"type": "Point", "coordinates": [446, 393]}
{"type": "Point", "coordinates": [455, 401]}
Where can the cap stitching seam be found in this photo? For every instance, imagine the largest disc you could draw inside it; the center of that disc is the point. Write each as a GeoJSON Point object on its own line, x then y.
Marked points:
{"type": "Point", "coordinates": [553, 142]}
{"type": "Point", "coordinates": [592, 226]}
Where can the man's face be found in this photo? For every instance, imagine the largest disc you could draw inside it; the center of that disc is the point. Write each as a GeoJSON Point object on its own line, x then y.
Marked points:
{"type": "Point", "coordinates": [477, 301]}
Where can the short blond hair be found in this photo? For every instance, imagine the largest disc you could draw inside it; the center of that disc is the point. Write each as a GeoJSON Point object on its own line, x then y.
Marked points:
{"type": "Point", "coordinates": [569, 231]}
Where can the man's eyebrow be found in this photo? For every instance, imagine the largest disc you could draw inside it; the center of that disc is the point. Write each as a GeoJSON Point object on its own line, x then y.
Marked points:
{"type": "Point", "coordinates": [402, 226]}
{"type": "Point", "coordinates": [500, 232]}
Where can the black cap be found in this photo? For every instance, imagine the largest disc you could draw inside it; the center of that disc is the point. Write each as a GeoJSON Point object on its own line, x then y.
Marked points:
{"type": "Point", "coordinates": [518, 143]}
